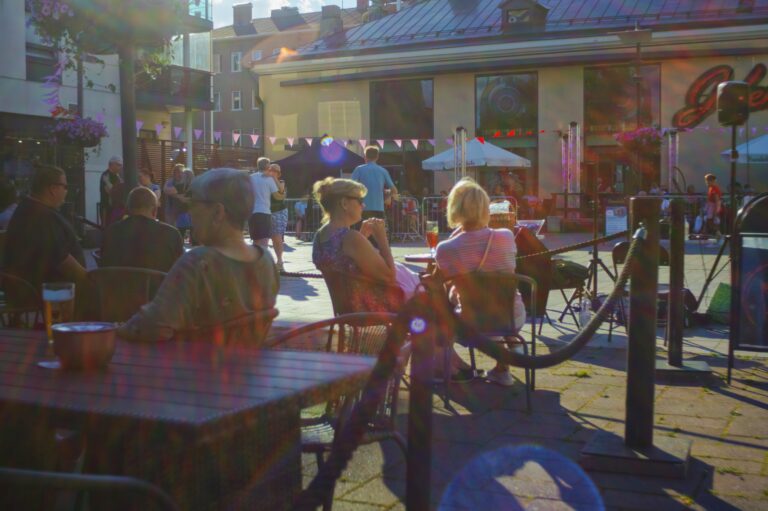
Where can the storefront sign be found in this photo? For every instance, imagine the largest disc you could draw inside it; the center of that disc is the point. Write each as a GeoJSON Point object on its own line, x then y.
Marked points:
{"type": "Point", "coordinates": [701, 98]}
{"type": "Point", "coordinates": [615, 219]}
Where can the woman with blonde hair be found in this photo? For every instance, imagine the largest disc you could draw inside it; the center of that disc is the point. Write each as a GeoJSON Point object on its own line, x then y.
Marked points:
{"type": "Point", "coordinates": [339, 248]}
{"type": "Point", "coordinates": [474, 247]}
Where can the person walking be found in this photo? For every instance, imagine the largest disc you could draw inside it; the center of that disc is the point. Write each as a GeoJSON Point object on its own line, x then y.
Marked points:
{"type": "Point", "coordinates": [376, 179]}
{"type": "Point", "coordinates": [265, 186]}
{"type": "Point", "coordinates": [713, 206]}
{"type": "Point", "coordinates": [109, 178]}
{"type": "Point", "coordinates": [279, 213]}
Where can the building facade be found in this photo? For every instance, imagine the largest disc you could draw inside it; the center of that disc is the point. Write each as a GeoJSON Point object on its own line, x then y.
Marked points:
{"type": "Point", "coordinates": [519, 73]}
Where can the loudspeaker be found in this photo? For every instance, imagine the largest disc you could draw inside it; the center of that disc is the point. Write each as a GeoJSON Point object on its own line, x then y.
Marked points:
{"type": "Point", "coordinates": [732, 103]}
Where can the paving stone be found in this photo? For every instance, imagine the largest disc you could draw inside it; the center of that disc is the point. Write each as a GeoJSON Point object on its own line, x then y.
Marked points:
{"type": "Point", "coordinates": [382, 492]}
{"type": "Point", "coordinates": [728, 450]}
{"type": "Point", "coordinates": [745, 485]}
{"type": "Point", "coordinates": [642, 501]}
{"type": "Point", "coordinates": [753, 427]}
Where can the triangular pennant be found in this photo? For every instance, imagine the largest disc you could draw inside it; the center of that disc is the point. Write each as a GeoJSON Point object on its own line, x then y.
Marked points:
{"type": "Point", "coordinates": [511, 133]}
{"type": "Point", "coordinates": [217, 136]}
{"type": "Point", "coordinates": [235, 137]}
{"type": "Point", "coordinates": [158, 129]}
{"type": "Point", "coordinates": [363, 142]}
{"type": "Point", "coordinates": [272, 140]}
{"type": "Point", "coordinates": [139, 124]}
{"type": "Point", "coordinates": [497, 134]}
{"type": "Point", "coordinates": [177, 131]}
{"type": "Point", "coordinates": [431, 142]}
{"type": "Point", "coordinates": [99, 117]}
{"type": "Point", "coordinates": [309, 141]}
{"type": "Point", "coordinates": [415, 142]}
{"type": "Point", "coordinates": [398, 142]}
{"type": "Point", "coordinates": [449, 141]}
{"type": "Point", "coordinates": [198, 134]}
{"type": "Point", "coordinates": [380, 142]}
{"type": "Point", "coordinates": [254, 139]}
{"type": "Point", "coordinates": [481, 140]}
{"type": "Point", "coordinates": [290, 140]}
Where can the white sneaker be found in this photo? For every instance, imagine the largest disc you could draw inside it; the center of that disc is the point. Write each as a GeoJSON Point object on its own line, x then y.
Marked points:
{"type": "Point", "coordinates": [502, 378]}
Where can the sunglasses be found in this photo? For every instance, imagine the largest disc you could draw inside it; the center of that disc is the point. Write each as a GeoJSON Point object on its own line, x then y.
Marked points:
{"type": "Point", "coordinates": [358, 199]}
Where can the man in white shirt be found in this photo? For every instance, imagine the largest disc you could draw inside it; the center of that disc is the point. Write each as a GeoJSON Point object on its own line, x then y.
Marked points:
{"type": "Point", "coordinates": [265, 186]}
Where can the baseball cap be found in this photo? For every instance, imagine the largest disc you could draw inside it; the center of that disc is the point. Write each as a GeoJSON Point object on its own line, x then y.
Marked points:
{"type": "Point", "coordinates": [229, 187]}
{"type": "Point", "coordinates": [116, 159]}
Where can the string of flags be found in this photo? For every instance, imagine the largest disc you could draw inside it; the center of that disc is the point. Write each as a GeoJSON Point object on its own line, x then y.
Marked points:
{"type": "Point", "coordinates": [415, 143]}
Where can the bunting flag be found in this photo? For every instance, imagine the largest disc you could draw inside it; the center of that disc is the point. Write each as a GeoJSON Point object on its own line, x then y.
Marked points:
{"type": "Point", "coordinates": [235, 137]}
{"type": "Point", "coordinates": [511, 133]}
{"type": "Point", "coordinates": [398, 142]}
{"type": "Point", "coordinates": [272, 140]}
{"type": "Point", "coordinates": [431, 142]}
{"type": "Point", "coordinates": [363, 142]}
{"type": "Point", "coordinates": [309, 141]}
{"type": "Point", "coordinates": [481, 139]}
{"type": "Point", "coordinates": [497, 134]}
{"type": "Point", "coordinates": [254, 139]}
{"type": "Point", "coordinates": [139, 124]}
{"type": "Point", "coordinates": [380, 142]}
{"type": "Point", "coordinates": [198, 134]}
{"type": "Point", "coordinates": [449, 141]}
{"type": "Point", "coordinates": [99, 117]}
{"type": "Point", "coordinates": [290, 140]}
{"type": "Point", "coordinates": [158, 129]}
{"type": "Point", "coordinates": [415, 142]}
{"type": "Point", "coordinates": [217, 136]}
{"type": "Point", "coordinates": [177, 131]}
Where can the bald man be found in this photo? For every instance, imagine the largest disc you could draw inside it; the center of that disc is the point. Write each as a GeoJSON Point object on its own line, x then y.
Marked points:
{"type": "Point", "coordinates": [140, 241]}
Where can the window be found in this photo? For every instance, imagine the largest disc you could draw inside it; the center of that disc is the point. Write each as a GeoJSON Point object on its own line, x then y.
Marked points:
{"type": "Point", "coordinates": [216, 102]}
{"type": "Point", "coordinates": [237, 139]}
{"type": "Point", "coordinates": [256, 55]}
{"type": "Point", "coordinates": [402, 109]}
{"type": "Point", "coordinates": [236, 56]}
{"type": "Point", "coordinates": [610, 98]}
{"type": "Point", "coordinates": [41, 62]}
{"type": "Point", "coordinates": [236, 101]}
{"type": "Point", "coordinates": [255, 99]}
{"type": "Point", "coordinates": [507, 103]}
{"type": "Point", "coordinates": [342, 118]}
{"type": "Point", "coordinates": [276, 51]}
{"type": "Point", "coordinates": [217, 63]}
{"type": "Point", "coordinates": [148, 134]}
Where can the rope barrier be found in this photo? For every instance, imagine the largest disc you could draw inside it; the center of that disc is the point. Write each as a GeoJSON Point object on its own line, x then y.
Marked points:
{"type": "Point", "coordinates": [352, 431]}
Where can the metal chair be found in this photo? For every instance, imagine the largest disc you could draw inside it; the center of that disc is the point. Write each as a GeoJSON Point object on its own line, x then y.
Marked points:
{"type": "Point", "coordinates": [487, 302]}
{"type": "Point", "coordinates": [619, 257]}
{"type": "Point", "coordinates": [355, 293]}
{"type": "Point", "coordinates": [250, 330]}
{"type": "Point", "coordinates": [121, 291]}
{"type": "Point", "coordinates": [21, 305]}
{"type": "Point", "coordinates": [13, 480]}
{"type": "Point", "coordinates": [360, 333]}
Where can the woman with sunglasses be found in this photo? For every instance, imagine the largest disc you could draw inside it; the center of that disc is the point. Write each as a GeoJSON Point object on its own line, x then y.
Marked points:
{"type": "Point", "coordinates": [339, 248]}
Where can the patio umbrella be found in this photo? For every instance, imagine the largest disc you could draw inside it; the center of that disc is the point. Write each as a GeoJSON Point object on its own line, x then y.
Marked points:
{"type": "Point", "coordinates": [754, 151]}
{"type": "Point", "coordinates": [480, 153]}
{"type": "Point", "coordinates": [322, 159]}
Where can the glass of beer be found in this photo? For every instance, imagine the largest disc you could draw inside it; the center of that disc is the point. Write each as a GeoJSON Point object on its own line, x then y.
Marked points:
{"type": "Point", "coordinates": [433, 235]}
{"type": "Point", "coordinates": [58, 303]}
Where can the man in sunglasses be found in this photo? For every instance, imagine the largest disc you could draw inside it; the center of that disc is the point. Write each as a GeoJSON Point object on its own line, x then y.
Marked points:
{"type": "Point", "coordinates": [41, 245]}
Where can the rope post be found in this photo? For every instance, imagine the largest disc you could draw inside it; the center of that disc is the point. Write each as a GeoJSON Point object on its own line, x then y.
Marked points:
{"type": "Point", "coordinates": [675, 309]}
{"type": "Point", "coordinates": [641, 349]}
{"type": "Point", "coordinates": [423, 330]}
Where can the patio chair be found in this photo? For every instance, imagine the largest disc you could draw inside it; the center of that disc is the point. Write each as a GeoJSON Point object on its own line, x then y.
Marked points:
{"type": "Point", "coordinates": [350, 293]}
{"type": "Point", "coordinates": [487, 302]}
{"type": "Point", "coordinates": [21, 305]}
{"type": "Point", "coordinates": [363, 333]}
{"type": "Point", "coordinates": [118, 292]}
{"type": "Point", "coordinates": [16, 483]}
{"type": "Point", "coordinates": [619, 257]}
{"type": "Point", "coordinates": [248, 330]}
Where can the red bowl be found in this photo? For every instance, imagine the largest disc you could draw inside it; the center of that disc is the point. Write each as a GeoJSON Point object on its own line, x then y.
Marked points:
{"type": "Point", "coordinates": [84, 346]}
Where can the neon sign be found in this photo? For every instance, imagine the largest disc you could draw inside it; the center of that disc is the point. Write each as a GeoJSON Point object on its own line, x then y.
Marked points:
{"type": "Point", "coordinates": [701, 98]}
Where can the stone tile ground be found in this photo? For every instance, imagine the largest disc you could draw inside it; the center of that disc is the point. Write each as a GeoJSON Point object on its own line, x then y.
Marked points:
{"type": "Point", "coordinates": [480, 456]}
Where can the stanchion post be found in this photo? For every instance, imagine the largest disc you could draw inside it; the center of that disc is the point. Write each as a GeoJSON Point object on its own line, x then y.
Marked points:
{"type": "Point", "coordinates": [641, 349]}
{"type": "Point", "coordinates": [675, 309]}
{"type": "Point", "coordinates": [419, 460]}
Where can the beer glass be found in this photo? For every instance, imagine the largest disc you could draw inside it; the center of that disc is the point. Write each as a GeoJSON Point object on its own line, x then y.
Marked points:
{"type": "Point", "coordinates": [58, 303]}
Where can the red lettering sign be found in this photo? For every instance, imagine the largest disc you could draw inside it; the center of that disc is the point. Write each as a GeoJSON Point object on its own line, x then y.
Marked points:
{"type": "Point", "coordinates": [701, 98]}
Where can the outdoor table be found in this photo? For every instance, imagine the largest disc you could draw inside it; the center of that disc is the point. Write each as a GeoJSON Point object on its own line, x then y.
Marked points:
{"type": "Point", "coordinates": [218, 428]}
{"type": "Point", "coordinates": [425, 258]}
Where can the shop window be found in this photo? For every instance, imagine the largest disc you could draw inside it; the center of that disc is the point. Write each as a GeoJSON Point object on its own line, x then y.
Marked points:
{"type": "Point", "coordinates": [41, 62]}
{"type": "Point", "coordinates": [402, 109]}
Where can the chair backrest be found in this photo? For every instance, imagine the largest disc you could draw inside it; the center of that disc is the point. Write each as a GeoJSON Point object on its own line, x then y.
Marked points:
{"type": "Point", "coordinates": [19, 295]}
{"type": "Point", "coordinates": [355, 293]}
{"type": "Point", "coordinates": [14, 482]}
{"type": "Point", "coordinates": [620, 250]}
{"type": "Point", "coordinates": [120, 291]}
{"type": "Point", "coordinates": [539, 268]}
{"type": "Point", "coordinates": [487, 300]}
{"type": "Point", "coordinates": [248, 330]}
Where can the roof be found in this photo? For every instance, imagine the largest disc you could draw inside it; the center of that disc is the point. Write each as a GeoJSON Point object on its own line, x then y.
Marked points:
{"type": "Point", "coordinates": [455, 22]}
{"type": "Point", "coordinates": [304, 21]}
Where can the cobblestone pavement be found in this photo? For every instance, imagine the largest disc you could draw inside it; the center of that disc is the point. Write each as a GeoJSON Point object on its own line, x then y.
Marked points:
{"type": "Point", "coordinates": [483, 454]}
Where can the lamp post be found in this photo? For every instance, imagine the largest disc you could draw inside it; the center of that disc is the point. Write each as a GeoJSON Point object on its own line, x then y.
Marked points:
{"type": "Point", "coordinates": [636, 37]}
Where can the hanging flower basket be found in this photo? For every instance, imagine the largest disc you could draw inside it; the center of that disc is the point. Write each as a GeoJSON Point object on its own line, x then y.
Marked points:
{"type": "Point", "coordinates": [643, 140]}
{"type": "Point", "coordinates": [79, 131]}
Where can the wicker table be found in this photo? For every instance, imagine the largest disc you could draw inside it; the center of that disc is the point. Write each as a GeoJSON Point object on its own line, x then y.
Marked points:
{"type": "Point", "coordinates": [216, 428]}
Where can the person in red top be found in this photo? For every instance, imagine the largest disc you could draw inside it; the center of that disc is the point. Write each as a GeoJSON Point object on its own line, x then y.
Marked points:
{"type": "Point", "coordinates": [714, 205]}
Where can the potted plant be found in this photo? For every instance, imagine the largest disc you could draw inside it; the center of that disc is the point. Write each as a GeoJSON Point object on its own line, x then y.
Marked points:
{"type": "Point", "coordinates": [79, 131]}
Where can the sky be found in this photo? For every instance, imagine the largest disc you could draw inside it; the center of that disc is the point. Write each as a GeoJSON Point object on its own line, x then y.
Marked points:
{"type": "Point", "coordinates": [222, 9]}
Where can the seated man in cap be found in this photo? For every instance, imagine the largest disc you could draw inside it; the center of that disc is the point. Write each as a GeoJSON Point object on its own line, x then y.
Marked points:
{"type": "Point", "coordinates": [40, 244]}
{"type": "Point", "coordinates": [139, 240]}
{"type": "Point", "coordinates": [222, 279]}
{"type": "Point", "coordinates": [109, 178]}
